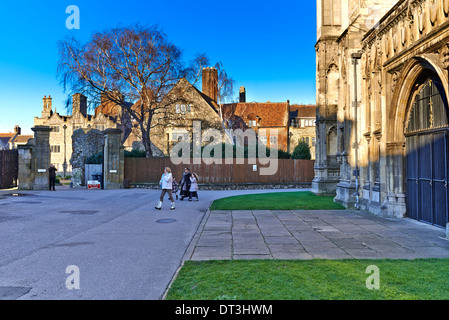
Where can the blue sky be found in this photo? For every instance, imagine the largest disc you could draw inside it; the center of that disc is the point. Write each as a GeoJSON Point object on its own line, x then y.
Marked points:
{"type": "Point", "coordinates": [266, 46]}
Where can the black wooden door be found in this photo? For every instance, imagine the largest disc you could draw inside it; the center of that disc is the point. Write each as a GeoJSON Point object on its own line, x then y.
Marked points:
{"type": "Point", "coordinates": [427, 146]}
{"type": "Point", "coordinates": [427, 178]}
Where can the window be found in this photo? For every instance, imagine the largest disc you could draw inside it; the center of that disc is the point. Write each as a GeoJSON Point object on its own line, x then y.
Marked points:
{"type": "Point", "coordinates": [309, 123]}
{"type": "Point", "coordinates": [294, 123]}
{"type": "Point", "coordinates": [183, 108]}
{"type": "Point", "coordinates": [55, 128]}
{"type": "Point", "coordinates": [55, 149]}
{"type": "Point", "coordinates": [100, 127]}
{"type": "Point", "coordinates": [178, 136]}
{"type": "Point", "coordinates": [76, 127]}
{"type": "Point", "coordinates": [252, 123]}
{"type": "Point", "coordinates": [263, 139]}
{"type": "Point", "coordinates": [273, 140]}
{"type": "Point", "coordinates": [313, 141]}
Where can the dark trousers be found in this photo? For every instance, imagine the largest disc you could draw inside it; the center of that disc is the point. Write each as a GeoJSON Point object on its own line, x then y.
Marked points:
{"type": "Point", "coordinates": [170, 196]}
{"type": "Point", "coordinates": [52, 183]}
{"type": "Point", "coordinates": [193, 194]}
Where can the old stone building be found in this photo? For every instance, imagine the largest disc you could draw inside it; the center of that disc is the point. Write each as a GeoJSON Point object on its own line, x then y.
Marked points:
{"type": "Point", "coordinates": [270, 117]}
{"type": "Point", "coordinates": [382, 88]}
{"type": "Point", "coordinates": [302, 127]}
{"type": "Point", "coordinates": [64, 125]}
{"type": "Point", "coordinates": [183, 106]}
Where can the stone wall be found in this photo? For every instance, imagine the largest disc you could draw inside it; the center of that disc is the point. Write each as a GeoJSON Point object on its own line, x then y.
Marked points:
{"type": "Point", "coordinates": [114, 160]}
{"type": "Point", "coordinates": [85, 142]}
{"type": "Point", "coordinates": [297, 134]}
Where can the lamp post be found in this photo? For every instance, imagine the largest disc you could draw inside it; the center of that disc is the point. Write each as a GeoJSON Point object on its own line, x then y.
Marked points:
{"type": "Point", "coordinates": [355, 59]}
{"type": "Point", "coordinates": [65, 153]}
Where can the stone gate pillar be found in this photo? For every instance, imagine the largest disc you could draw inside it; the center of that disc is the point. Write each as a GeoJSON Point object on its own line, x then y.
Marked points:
{"type": "Point", "coordinates": [114, 159]}
{"type": "Point", "coordinates": [41, 157]}
{"type": "Point", "coordinates": [26, 167]}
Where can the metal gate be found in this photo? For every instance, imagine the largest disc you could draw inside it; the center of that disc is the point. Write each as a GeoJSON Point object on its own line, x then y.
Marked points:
{"type": "Point", "coordinates": [9, 167]}
{"type": "Point", "coordinates": [427, 145]}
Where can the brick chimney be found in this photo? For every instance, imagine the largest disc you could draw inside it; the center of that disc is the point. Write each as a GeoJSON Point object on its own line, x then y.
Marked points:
{"type": "Point", "coordinates": [210, 83]}
{"type": "Point", "coordinates": [17, 130]}
{"type": "Point", "coordinates": [79, 104]}
{"type": "Point", "coordinates": [242, 91]}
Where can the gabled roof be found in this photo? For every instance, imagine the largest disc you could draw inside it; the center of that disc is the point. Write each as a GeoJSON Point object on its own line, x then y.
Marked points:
{"type": "Point", "coordinates": [206, 98]}
{"type": "Point", "coordinates": [186, 83]}
{"type": "Point", "coordinates": [268, 114]}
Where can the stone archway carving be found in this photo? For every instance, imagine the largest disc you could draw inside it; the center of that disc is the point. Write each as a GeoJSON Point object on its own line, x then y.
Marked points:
{"type": "Point", "coordinates": [399, 111]}
{"type": "Point", "coordinates": [400, 104]}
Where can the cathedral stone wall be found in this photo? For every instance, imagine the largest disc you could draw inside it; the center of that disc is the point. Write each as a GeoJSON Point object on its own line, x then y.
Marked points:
{"type": "Point", "coordinates": [371, 56]}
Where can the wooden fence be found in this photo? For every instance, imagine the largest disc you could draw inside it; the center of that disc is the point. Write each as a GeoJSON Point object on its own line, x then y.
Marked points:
{"type": "Point", "coordinates": [149, 170]}
{"type": "Point", "coordinates": [8, 168]}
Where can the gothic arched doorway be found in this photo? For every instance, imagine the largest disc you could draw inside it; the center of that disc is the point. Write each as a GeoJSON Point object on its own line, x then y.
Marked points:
{"type": "Point", "coordinates": [427, 147]}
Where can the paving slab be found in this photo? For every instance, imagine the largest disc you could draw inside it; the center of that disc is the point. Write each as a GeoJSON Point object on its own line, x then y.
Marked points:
{"type": "Point", "coordinates": [329, 234]}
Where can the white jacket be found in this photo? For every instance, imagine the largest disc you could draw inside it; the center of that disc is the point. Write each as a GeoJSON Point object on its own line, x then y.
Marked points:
{"type": "Point", "coordinates": [166, 181]}
{"type": "Point", "coordinates": [193, 185]}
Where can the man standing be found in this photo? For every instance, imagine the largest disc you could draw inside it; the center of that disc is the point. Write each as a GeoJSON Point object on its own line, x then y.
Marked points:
{"type": "Point", "coordinates": [52, 177]}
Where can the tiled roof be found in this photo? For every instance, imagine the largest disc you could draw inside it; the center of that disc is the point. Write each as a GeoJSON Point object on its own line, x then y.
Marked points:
{"type": "Point", "coordinates": [304, 111]}
{"type": "Point", "coordinates": [22, 139]}
{"type": "Point", "coordinates": [267, 114]}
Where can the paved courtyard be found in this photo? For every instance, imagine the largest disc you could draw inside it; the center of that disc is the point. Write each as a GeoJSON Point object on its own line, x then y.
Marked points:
{"type": "Point", "coordinates": [337, 234]}
{"type": "Point", "coordinates": [125, 249]}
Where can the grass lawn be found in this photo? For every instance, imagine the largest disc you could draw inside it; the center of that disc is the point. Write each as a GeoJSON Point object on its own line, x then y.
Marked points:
{"type": "Point", "coordinates": [311, 280]}
{"type": "Point", "coordinates": [302, 200]}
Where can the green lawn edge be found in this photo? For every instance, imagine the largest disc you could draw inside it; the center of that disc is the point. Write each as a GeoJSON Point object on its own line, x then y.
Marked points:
{"type": "Point", "coordinates": [315, 279]}
{"type": "Point", "coordinates": [296, 200]}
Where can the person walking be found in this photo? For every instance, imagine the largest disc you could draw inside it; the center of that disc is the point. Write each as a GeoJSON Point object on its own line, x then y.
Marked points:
{"type": "Point", "coordinates": [185, 184]}
{"type": "Point", "coordinates": [52, 177]}
{"type": "Point", "coordinates": [166, 184]}
{"type": "Point", "coordinates": [175, 188]}
{"type": "Point", "coordinates": [193, 191]}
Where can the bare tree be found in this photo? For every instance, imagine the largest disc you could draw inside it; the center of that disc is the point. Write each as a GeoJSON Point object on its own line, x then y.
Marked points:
{"type": "Point", "coordinates": [134, 67]}
{"type": "Point", "coordinates": [225, 94]}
